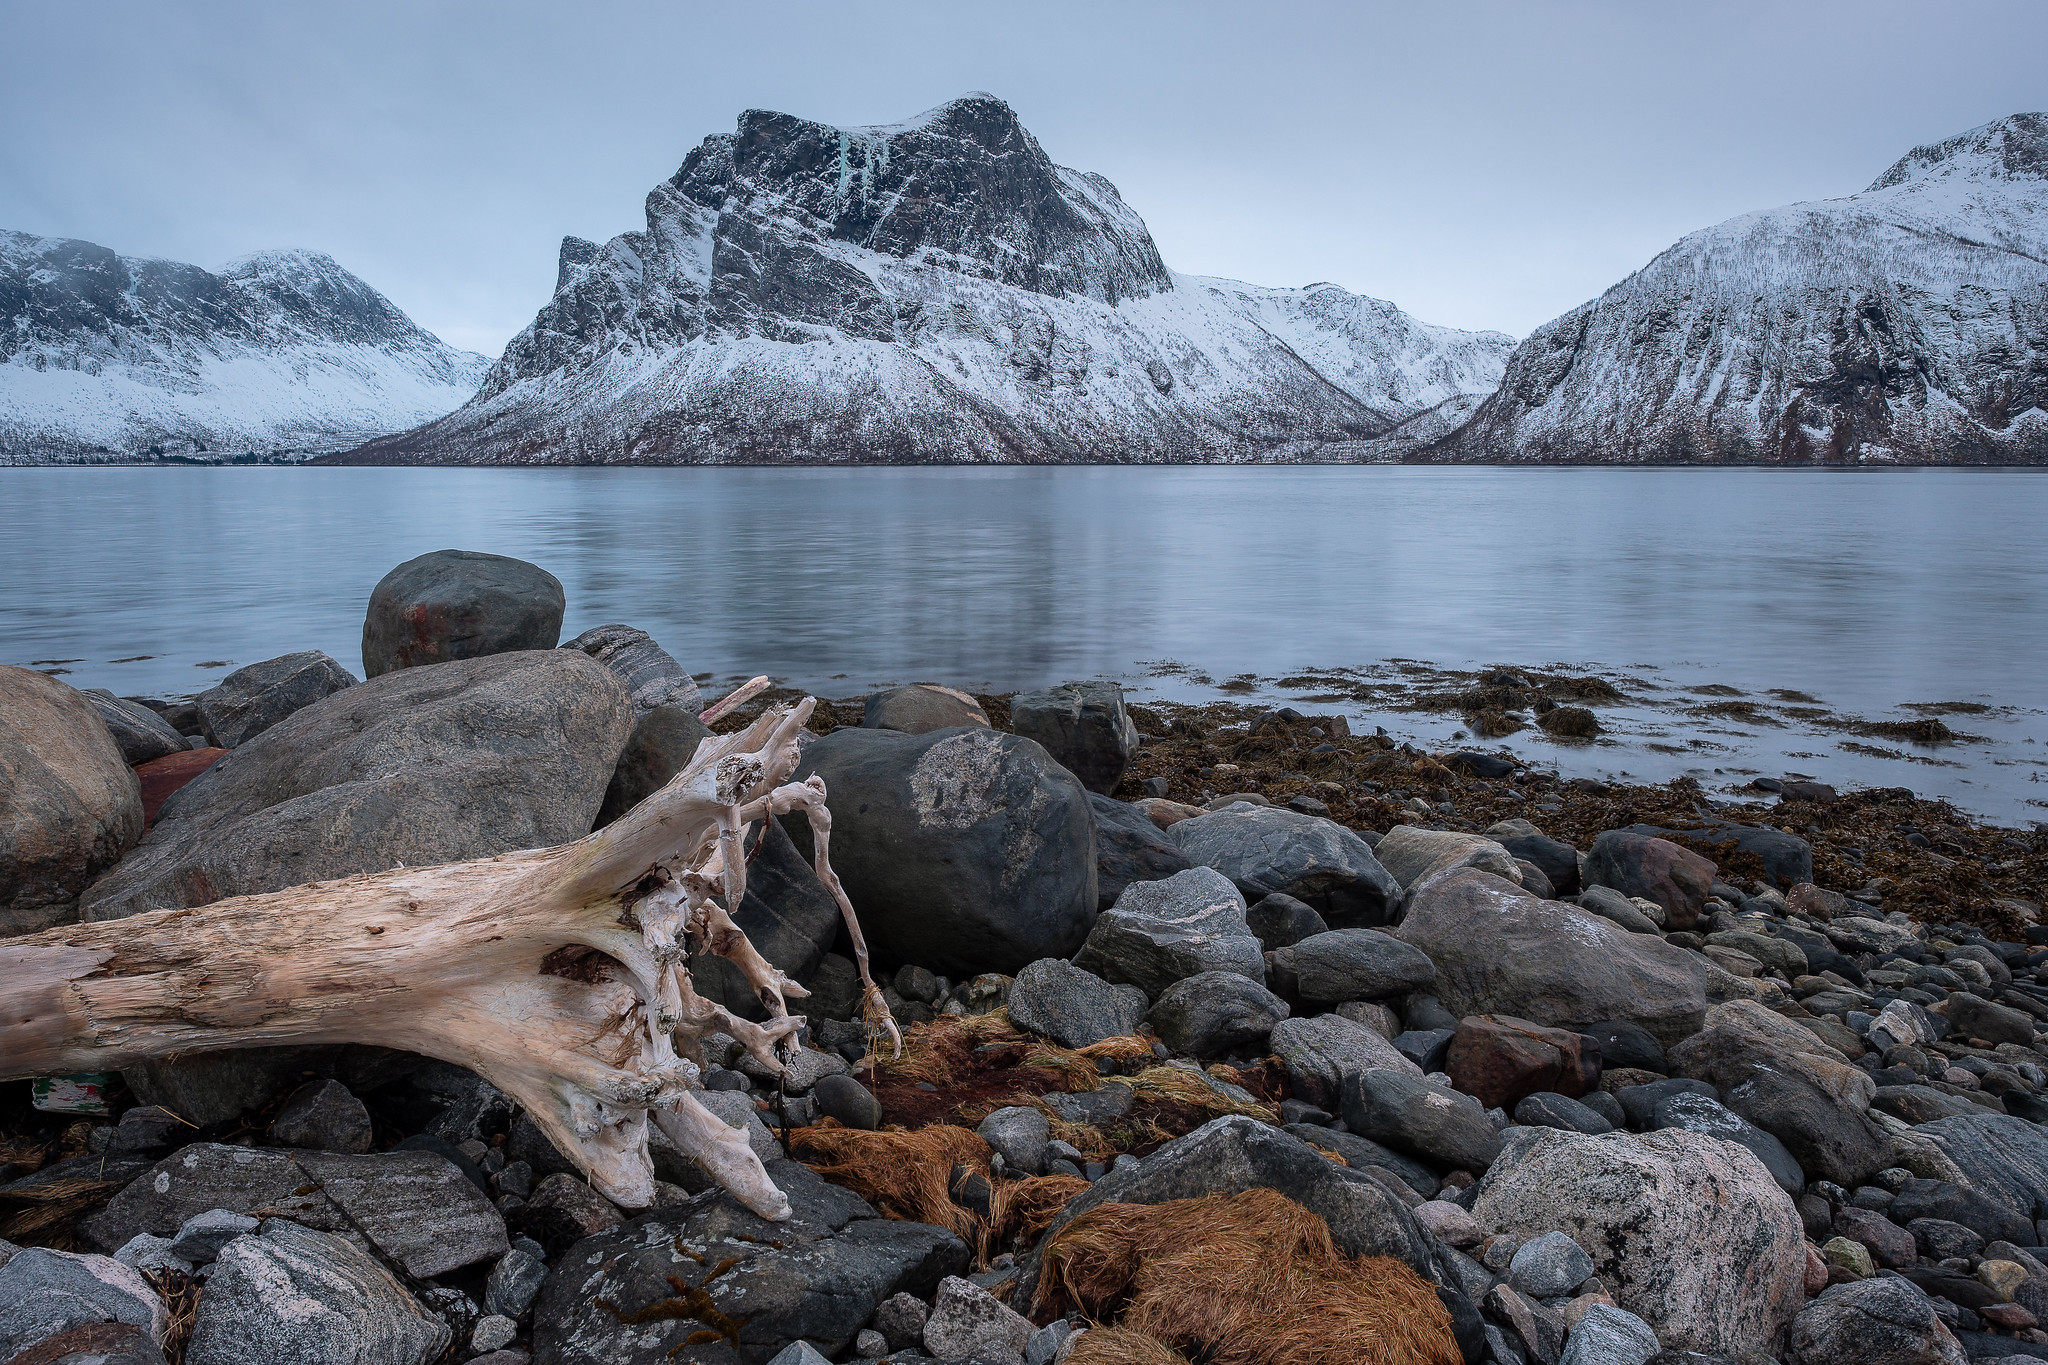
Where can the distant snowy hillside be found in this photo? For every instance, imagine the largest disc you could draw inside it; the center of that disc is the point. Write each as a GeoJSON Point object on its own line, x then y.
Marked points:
{"type": "Point", "coordinates": [1904, 324]}
{"type": "Point", "coordinates": [106, 357]}
{"type": "Point", "coordinates": [934, 291]}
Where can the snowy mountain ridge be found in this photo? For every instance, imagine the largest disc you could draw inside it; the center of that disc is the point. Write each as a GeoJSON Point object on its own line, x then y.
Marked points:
{"type": "Point", "coordinates": [1907, 323]}
{"type": "Point", "coordinates": [109, 358]}
{"type": "Point", "coordinates": [933, 291]}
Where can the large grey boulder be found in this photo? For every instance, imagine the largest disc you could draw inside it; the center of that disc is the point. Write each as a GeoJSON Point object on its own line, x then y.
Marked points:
{"type": "Point", "coordinates": [1792, 1085]}
{"type": "Point", "coordinates": [965, 851]}
{"type": "Point", "coordinates": [1264, 849]}
{"type": "Point", "coordinates": [1687, 1232]}
{"type": "Point", "coordinates": [1411, 853]}
{"type": "Point", "coordinates": [920, 708]}
{"type": "Point", "coordinates": [819, 1276]}
{"type": "Point", "coordinates": [417, 1208]}
{"type": "Point", "coordinates": [459, 604]}
{"type": "Point", "coordinates": [250, 700]}
{"type": "Point", "coordinates": [1320, 1051]}
{"type": "Point", "coordinates": [1085, 728]}
{"type": "Point", "coordinates": [141, 734]}
{"type": "Point", "coordinates": [1129, 848]}
{"type": "Point", "coordinates": [69, 804]}
{"type": "Point", "coordinates": [414, 768]}
{"type": "Point", "coordinates": [293, 1296]}
{"type": "Point", "coordinates": [1212, 1013]}
{"type": "Point", "coordinates": [1158, 933]}
{"type": "Point", "coordinates": [1879, 1321]}
{"type": "Point", "coordinates": [46, 1294]}
{"type": "Point", "coordinates": [652, 677]}
{"type": "Point", "coordinates": [1073, 1007]}
{"type": "Point", "coordinates": [1500, 950]}
{"type": "Point", "coordinates": [1353, 964]}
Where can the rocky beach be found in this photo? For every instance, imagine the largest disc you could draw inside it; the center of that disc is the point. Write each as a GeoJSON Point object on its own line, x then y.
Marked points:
{"type": "Point", "coordinates": [1227, 1033]}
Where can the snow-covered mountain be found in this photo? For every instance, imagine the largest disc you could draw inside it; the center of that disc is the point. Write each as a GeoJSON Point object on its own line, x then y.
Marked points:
{"type": "Point", "coordinates": [936, 290]}
{"type": "Point", "coordinates": [106, 357]}
{"type": "Point", "coordinates": [1904, 324]}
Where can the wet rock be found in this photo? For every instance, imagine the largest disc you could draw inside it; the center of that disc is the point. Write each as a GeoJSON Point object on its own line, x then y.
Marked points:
{"type": "Point", "coordinates": [140, 733]}
{"type": "Point", "coordinates": [1873, 1322]}
{"type": "Point", "coordinates": [45, 1295]}
{"type": "Point", "coordinates": [459, 604]}
{"type": "Point", "coordinates": [1408, 1114]}
{"type": "Point", "coordinates": [1355, 964]}
{"type": "Point", "coordinates": [1790, 1084]}
{"type": "Point", "coordinates": [1264, 849]}
{"type": "Point", "coordinates": [250, 700]}
{"type": "Point", "coordinates": [1687, 1232]}
{"type": "Point", "coordinates": [415, 768]}
{"type": "Point", "coordinates": [653, 679]}
{"type": "Point", "coordinates": [1281, 921]}
{"type": "Point", "coordinates": [1411, 854]}
{"type": "Point", "coordinates": [1656, 869]}
{"type": "Point", "coordinates": [294, 1296]}
{"type": "Point", "coordinates": [968, 1323]}
{"type": "Point", "coordinates": [1085, 728]}
{"type": "Point", "coordinates": [1546, 1109]}
{"type": "Point", "coordinates": [1499, 950]}
{"type": "Point", "coordinates": [1320, 1051]}
{"type": "Point", "coordinates": [1162, 932]}
{"type": "Point", "coordinates": [69, 805]}
{"type": "Point", "coordinates": [921, 708]}
{"type": "Point", "coordinates": [1071, 1006]}
{"type": "Point", "coordinates": [324, 1116]}
{"type": "Point", "coordinates": [1129, 848]}
{"type": "Point", "coordinates": [968, 851]}
{"type": "Point", "coordinates": [1211, 1013]}
{"type": "Point", "coordinates": [819, 1277]}
{"type": "Point", "coordinates": [1498, 1059]}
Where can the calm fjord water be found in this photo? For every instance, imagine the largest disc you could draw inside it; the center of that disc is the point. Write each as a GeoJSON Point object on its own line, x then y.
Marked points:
{"type": "Point", "coordinates": [1865, 590]}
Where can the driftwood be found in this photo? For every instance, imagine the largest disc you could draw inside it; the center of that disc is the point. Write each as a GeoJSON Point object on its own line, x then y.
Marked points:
{"type": "Point", "coordinates": [558, 974]}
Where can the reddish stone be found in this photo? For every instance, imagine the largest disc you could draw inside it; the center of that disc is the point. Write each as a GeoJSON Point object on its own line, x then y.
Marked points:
{"type": "Point", "coordinates": [1808, 899]}
{"type": "Point", "coordinates": [162, 776]}
{"type": "Point", "coordinates": [1656, 869]}
{"type": "Point", "coordinates": [1816, 1272]}
{"type": "Point", "coordinates": [2010, 1316]}
{"type": "Point", "coordinates": [1498, 1059]}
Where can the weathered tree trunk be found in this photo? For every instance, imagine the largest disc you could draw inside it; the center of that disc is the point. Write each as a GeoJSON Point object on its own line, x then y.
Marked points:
{"type": "Point", "coordinates": [558, 974]}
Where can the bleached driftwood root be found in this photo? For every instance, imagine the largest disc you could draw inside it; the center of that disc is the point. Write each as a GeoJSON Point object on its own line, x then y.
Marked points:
{"type": "Point", "coordinates": [560, 974]}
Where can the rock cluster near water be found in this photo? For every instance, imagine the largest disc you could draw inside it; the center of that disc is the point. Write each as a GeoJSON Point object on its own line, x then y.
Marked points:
{"type": "Point", "coordinates": [1609, 1096]}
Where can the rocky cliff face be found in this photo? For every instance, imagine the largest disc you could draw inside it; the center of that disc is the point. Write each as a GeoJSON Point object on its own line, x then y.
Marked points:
{"type": "Point", "coordinates": [110, 357]}
{"type": "Point", "coordinates": [1904, 324]}
{"type": "Point", "coordinates": [936, 290]}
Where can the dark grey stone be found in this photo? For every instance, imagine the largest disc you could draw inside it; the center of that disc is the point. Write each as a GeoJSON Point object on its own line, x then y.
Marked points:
{"type": "Point", "coordinates": [847, 1100]}
{"type": "Point", "coordinates": [250, 700]}
{"type": "Point", "coordinates": [920, 708]}
{"type": "Point", "coordinates": [1129, 848]}
{"type": "Point", "coordinates": [513, 1283]}
{"type": "Point", "coordinates": [1161, 932]}
{"type": "Point", "coordinates": [324, 1116]}
{"type": "Point", "coordinates": [1639, 1102]}
{"type": "Point", "coordinates": [459, 604]}
{"type": "Point", "coordinates": [415, 768]}
{"type": "Point", "coordinates": [1281, 921]}
{"type": "Point", "coordinates": [1431, 1122]}
{"type": "Point", "coordinates": [1264, 849]}
{"type": "Point", "coordinates": [1548, 1109]}
{"type": "Point", "coordinates": [1549, 1266]}
{"type": "Point", "coordinates": [1359, 1153]}
{"type": "Point", "coordinates": [295, 1296]}
{"type": "Point", "coordinates": [789, 917]}
{"type": "Point", "coordinates": [1071, 1006]}
{"type": "Point", "coordinates": [1426, 1048]}
{"type": "Point", "coordinates": [1212, 1013]}
{"type": "Point", "coordinates": [1356, 964]}
{"type": "Point", "coordinates": [45, 1294]}
{"type": "Point", "coordinates": [968, 850]}
{"type": "Point", "coordinates": [1697, 1113]}
{"type": "Point", "coordinates": [652, 677]}
{"type": "Point", "coordinates": [1020, 1135]}
{"type": "Point", "coordinates": [1987, 1212]}
{"type": "Point", "coordinates": [1085, 728]}
{"type": "Point", "coordinates": [2004, 1157]}
{"type": "Point", "coordinates": [1972, 1016]}
{"type": "Point", "coordinates": [1626, 1044]}
{"type": "Point", "coordinates": [1611, 905]}
{"type": "Point", "coordinates": [820, 1276]}
{"type": "Point", "coordinates": [141, 733]}
{"type": "Point", "coordinates": [661, 744]}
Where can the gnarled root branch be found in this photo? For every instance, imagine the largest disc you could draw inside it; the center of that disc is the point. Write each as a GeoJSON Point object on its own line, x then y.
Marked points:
{"type": "Point", "coordinates": [487, 964]}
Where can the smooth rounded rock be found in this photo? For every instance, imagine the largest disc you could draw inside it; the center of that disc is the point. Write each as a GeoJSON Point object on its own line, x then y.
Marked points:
{"type": "Point", "coordinates": [847, 1100]}
{"type": "Point", "coordinates": [1656, 869]}
{"type": "Point", "coordinates": [1084, 726]}
{"type": "Point", "coordinates": [1071, 1006]}
{"type": "Point", "coordinates": [69, 804]}
{"type": "Point", "coordinates": [1212, 1013]}
{"type": "Point", "coordinates": [1358, 964]}
{"type": "Point", "coordinates": [921, 708]}
{"type": "Point", "coordinates": [1264, 849]}
{"type": "Point", "coordinates": [250, 700]}
{"type": "Point", "coordinates": [1281, 921]}
{"type": "Point", "coordinates": [459, 604]}
{"type": "Point", "coordinates": [1879, 1321]}
{"type": "Point", "coordinates": [141, 734]}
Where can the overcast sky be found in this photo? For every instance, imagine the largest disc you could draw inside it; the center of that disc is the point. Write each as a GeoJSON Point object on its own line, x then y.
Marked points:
{"type": "Point", "coordinates": [1482, 165]}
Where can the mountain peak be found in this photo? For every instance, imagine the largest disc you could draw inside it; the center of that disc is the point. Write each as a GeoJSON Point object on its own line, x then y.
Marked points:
{"type": "Point", "coordinates": [2011, 148]}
